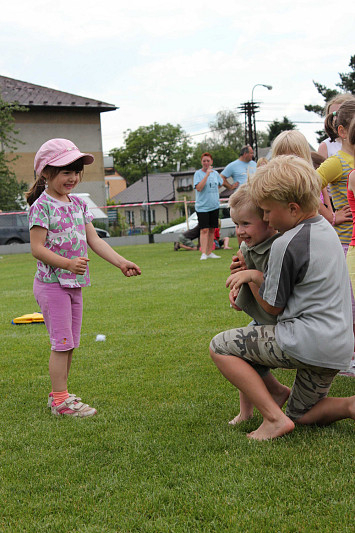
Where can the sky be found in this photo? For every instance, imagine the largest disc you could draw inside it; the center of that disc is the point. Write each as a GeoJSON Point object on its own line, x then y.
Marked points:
{"type": "Point", "coordinates": [181, 61]}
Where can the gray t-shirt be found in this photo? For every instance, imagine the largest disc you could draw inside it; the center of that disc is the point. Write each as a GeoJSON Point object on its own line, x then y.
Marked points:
{"type": "Point", "coordinates": [308, 277]}
{"type": "Point", "coordinates": [256, 258]}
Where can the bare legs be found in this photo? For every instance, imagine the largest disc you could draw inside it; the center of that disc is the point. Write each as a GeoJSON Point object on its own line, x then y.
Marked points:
{"type": "Point", "coordinates": [206, 238]}
{"type": "Point", "coordinates": [329, 410]}
{"type": "Point", "coordinates": [246, 379]}
{"type": "Point", "coordinates": [275, 422]}
{"type": "Point", "coordinates": [59, 366]}
{"type": "Point", "coordinates": [226, 243]}
{"type": "Point", "coordinates": [279, 393]}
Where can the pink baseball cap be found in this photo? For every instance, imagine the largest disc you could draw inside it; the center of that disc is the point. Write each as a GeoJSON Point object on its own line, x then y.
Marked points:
{"type": "Point", "coordinates": [59, 153]}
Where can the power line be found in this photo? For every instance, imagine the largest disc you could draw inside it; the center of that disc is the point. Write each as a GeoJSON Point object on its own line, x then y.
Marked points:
{"type": "Point", "coordinates": [266, 121]}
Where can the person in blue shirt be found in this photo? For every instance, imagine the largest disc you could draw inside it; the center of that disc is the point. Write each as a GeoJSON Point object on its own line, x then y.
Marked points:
{"type": "Point", "coordinates": [241, 168]}
{"type": "Point", "coordinates": [206, 183]}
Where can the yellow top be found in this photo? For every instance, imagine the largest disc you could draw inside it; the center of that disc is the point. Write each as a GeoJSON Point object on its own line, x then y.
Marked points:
{"type": "Point", "coordinates": [334, 172]}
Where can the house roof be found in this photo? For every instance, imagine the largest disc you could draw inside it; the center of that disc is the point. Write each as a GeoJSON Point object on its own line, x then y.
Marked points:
{"type": "Point", "coordinates": [36, 96]}
{"type": "Point", "coordinates": [161, 187]}
{"type": "Point", "coordinates": [191, 172]}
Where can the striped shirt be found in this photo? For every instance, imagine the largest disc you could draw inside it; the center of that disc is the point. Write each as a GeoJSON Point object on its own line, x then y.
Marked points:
{"type": "Point", "coordinates": [334, 172]}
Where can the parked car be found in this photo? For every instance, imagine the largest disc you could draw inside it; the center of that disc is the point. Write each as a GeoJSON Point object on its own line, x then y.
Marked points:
{"type": "Point", "coordinates": [224, 215]}
{"type": "Point", "coordinates": [14, 228]}
{"type": "Point", "coordinates": [102, 233]}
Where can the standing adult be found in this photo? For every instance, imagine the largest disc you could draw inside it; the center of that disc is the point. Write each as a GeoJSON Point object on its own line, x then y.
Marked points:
{"type": "Point", "coordinates": [240, 169]}
{"type": "Point", "coordinates": [206, 183]}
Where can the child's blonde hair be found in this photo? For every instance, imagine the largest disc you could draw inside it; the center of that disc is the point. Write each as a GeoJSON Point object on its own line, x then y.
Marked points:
{"type": "Point", "coordinates": [262, 161]}
{"type": "Point", "coordinates": [291, 142]}
{"type": "Point", "coordinates": [242, 198]}
{"type": "Point", "coordinates": [287, 178]}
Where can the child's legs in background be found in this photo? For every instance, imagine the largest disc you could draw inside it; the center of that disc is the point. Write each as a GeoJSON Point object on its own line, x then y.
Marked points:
{"type": "Point", "coordinates": [350, 261]}
{"type": "Point", "coordinates": [349, 252]}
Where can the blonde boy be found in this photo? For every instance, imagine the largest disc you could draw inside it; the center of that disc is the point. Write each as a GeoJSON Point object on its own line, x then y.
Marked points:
{"type": "Point", "coordinates": [256, 238]}
{"type": "Point", "coordinates": [306, 286]}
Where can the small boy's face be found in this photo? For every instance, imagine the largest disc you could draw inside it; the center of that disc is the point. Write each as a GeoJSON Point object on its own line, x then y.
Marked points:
{"type": "Point", "coordinates": [250, 227]}
{"type": "Point", "coordinates": [280, 216]}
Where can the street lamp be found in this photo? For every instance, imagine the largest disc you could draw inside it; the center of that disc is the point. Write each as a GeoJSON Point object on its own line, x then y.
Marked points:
{"type": "Point", "coordinates": [268, 87]}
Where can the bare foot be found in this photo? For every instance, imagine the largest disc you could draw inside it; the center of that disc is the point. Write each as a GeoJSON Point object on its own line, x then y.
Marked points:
{"type": "Point", "coordinates": [282, 397]}
{"type": "Point", "coordinates": [240, 418]}
{"type": "Point", "coordinates": [272, 430]}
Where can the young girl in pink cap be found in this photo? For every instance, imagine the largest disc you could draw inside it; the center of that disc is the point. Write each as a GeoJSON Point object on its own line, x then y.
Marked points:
{"type": "Point", "coordinates": [60, 229]}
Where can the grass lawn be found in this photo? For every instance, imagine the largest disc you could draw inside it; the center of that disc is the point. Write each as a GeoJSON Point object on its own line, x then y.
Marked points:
{"type": "Point", "coordinates": [159, 456]}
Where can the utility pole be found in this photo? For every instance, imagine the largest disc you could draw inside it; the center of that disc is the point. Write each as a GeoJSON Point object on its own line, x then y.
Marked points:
{"type": "Point", "coordinates": [250, 109]}
{"type": "Point", "coordinates": [151, 238]}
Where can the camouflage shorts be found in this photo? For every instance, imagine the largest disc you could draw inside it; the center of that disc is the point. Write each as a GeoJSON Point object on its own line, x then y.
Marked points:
{"type": "Point", "coordinates": [257, 344]}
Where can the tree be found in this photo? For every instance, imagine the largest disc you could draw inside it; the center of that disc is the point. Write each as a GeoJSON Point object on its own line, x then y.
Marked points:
{"type": "Point", "coordinates": [11, 191]}
{"type": "Point", "coordinates": [227, 130]}
{"type": "Point", "coordinates": [263, 139]}
{"type": "Point", "coordinates": [346, 84]}
{"type": "Point", "coordinates": [225, 141]}
{"type": "Point", "coordinates": [222, 155]}
{"type": "Point", "coordinates": [277, 127]}
{"type": "Point", "coordinates": [158, 147]}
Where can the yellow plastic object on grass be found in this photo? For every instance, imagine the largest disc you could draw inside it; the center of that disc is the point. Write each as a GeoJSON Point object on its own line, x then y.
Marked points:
{"type": "Point", "coordinates": [32, 318]}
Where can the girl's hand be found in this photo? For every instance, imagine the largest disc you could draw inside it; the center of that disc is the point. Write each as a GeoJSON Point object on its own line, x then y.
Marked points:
{"type": "Point", "coordinates": [343, 215]}
{"type": "Point", "coordinates": [130, 269]}
{"type": "Point", "coordinates": [78, 265]}
{"type": "Point", "coordinates": [238, 263]}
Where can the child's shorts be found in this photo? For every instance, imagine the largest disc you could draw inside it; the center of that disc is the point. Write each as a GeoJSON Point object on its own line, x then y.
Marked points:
{"type": "Point", "coordinates": [62, 309]}
{"type": "Point", "coordinates": [257, 344]}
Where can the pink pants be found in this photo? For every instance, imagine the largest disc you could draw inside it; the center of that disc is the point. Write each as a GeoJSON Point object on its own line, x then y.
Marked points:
{"type": "Point", "coordinates": [62, 309]}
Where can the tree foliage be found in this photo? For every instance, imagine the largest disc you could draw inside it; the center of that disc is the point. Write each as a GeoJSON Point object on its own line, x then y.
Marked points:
{"type": "Point", "coordinates": [225, 141]}
{"type": "Point", "coordinates": [11, 191]}
{"type": "Point", "coordinates": [277, 127]}
{"type": "Point", "coordinates": [158, 147]}
{"type": "Point", "coordinates": [346, 85]}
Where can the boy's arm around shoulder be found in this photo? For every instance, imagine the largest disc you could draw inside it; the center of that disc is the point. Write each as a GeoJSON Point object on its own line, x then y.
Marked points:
{"type": "Point", "coordinates": [104, 250]}
{"type": "Point", "coordinates": [255, 279]}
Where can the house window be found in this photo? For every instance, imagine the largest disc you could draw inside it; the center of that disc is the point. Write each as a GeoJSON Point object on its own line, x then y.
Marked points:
{"type": "Point", "coordinates": [129, 217]}
{"type": "Point", "coordinates": [190, 210]}
{"type": "Point", "coordinates": [144, 216]}
{"type": "Point", "coordinates": [185, 184]}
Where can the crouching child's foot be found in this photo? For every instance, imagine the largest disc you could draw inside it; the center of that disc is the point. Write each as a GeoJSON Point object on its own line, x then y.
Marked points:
{"type": "Point", "coordinates": [273, 429]}
{"type": "Point", "coordinates": [281, 396]}
{"type": "Point", "coordinates": [241, 417]}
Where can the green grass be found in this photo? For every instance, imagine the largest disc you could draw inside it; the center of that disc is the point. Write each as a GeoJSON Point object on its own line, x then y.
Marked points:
{"type": "Point", "coordinates": [159, 456]}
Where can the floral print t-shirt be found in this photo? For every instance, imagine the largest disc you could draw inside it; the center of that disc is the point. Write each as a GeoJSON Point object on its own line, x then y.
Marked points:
{"type": "Point", "coordinates": [66, 236]}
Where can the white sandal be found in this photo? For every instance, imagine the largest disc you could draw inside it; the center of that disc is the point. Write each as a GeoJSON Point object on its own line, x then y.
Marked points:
{"type": "Point", "coordinates": [73, 407]}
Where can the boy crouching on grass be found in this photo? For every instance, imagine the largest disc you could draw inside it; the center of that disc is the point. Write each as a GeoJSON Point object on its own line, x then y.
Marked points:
{"type": "Point", "coordinates": [256, 238]}
{"type": "Point", "coordinates": [306, 286]}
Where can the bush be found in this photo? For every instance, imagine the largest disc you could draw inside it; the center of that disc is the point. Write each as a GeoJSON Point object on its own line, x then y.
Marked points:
{"type": "Point", "coordinates": [161, 227]}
